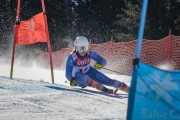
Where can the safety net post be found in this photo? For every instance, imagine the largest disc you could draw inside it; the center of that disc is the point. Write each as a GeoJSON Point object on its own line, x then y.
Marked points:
{"type": "Point", "coordinates": [169, 46]}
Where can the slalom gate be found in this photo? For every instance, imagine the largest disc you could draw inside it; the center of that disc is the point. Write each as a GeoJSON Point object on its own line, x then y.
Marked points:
{"type": "Point", "coordinates": [31, 31]}
{"type": "Point", "coordinates": [154, 93]}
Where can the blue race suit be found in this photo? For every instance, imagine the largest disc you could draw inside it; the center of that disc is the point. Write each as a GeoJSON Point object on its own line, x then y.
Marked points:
{"type": "Point", "coordinates": [79, 67]}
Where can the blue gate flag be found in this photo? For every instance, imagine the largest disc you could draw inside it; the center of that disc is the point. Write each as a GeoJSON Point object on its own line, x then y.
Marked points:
{"type": "Point", "coordinates": [157, 94]}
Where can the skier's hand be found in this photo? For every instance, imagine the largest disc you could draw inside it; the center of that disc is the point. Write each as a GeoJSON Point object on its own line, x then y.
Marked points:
{"type": "Point", "coordinates": [73, 82]}
{"type": "Point", "coordinates": [98, 66]}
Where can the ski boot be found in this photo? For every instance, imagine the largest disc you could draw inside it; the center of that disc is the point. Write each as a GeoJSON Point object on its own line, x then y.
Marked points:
{"type": "Point", "coordinates": [101, 87]}
{"type": "Point", "coordinates": [110, 91]}
{"type": "Point", "coordinates": [124, 88]}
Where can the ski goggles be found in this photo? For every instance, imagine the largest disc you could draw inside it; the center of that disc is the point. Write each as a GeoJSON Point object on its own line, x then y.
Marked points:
{"type": "Point", "coordinates": [82, 48]}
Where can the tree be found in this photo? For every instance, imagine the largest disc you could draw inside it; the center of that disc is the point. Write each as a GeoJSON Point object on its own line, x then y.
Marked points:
{"type": "Point", "coordinates": [126, 25]}
{"type": "Point", "coordinates": [161, 15]}
{"type": "Point", "coordinates": [6, 26]}
{"type": "Point", "coordinates": [94, 18]}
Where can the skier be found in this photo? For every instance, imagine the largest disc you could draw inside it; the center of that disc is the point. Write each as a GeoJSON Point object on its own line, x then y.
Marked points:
{"type": "Point", "coordinates": [80, 73]}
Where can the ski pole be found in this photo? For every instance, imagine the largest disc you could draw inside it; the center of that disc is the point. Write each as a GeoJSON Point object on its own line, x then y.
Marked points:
{"type": "Point", "coordinates": [111, 70]}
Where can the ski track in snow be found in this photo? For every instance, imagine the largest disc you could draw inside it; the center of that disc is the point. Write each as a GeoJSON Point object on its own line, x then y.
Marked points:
{"type": "Point", "coordinates": [25, 98]}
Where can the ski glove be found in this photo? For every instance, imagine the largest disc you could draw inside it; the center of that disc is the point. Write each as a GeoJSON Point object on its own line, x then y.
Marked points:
{"type": "Point", "coordinates": [98, 66]}
{"type": "Point", "coordinates": [73, 82]}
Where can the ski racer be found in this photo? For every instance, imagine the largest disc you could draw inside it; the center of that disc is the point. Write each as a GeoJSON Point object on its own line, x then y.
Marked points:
{"type": "Point", "coordinates": [80, 73]}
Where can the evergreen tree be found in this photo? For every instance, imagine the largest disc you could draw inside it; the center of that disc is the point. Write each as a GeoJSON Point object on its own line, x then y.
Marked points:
{"type": "Point", "coordinates": [173, 16]}
{"type": "Point", "coordinates": [161, 15]}
{"type": "Point", "coordinates": [94, 18]}
{"type": "Point", "coordinates": [6, 26]}
{"type": "Point", "coordinates": [126, 25]}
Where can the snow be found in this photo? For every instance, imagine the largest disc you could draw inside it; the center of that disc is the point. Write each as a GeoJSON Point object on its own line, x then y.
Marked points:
{"type": "Point", "coordinates": [31, 96]}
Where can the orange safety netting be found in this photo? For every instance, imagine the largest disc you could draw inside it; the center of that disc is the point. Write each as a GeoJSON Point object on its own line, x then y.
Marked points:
{"type": "Point", "coordinates": [120, 55]}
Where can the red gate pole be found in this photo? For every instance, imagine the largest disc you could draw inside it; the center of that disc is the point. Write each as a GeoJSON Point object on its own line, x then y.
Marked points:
{"type": "Point", "coordinates": [169, 46]}
{"type": "Point", "coordinates": [15, 36]}
{"type": "Point", "coordinates": [49, 45]}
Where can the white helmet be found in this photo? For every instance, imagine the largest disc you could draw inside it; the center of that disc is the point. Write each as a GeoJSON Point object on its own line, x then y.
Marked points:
{"type": "Point", "coordinates": [81, 44]}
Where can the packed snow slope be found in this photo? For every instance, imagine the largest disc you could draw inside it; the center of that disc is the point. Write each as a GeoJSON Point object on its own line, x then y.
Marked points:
{"type": "Point", "coordinates": [31, 96]}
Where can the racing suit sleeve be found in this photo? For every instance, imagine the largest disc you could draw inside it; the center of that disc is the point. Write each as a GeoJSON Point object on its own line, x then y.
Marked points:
{"type": "Point", "coordinates": [69, 67]}
{"type": "Point", "coordinates": [99, 59]}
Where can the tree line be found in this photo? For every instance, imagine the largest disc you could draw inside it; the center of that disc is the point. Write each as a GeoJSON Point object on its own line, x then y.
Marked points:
{"type": "Point", "coordinates": [98, 20]}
